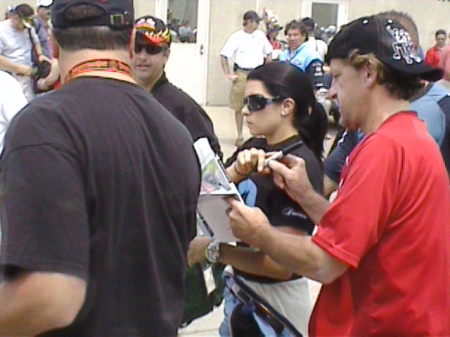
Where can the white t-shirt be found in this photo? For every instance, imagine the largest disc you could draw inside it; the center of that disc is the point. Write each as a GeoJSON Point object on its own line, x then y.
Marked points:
{"type": "Point", "coordinates": [250, 50]}
{"type": "Point", "coordinates": [318, 45]}
{"type": "Point", "coordinates": [15, 45]}
{"type": "Point", "coordinates": [12, 100]}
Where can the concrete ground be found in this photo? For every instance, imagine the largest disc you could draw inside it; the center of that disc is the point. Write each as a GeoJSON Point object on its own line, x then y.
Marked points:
{"type": "Point", "coordinates": [224, 125]}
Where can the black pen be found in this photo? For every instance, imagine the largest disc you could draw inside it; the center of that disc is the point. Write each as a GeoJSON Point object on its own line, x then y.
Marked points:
{"type": "Point", "coordinates": [280, 154]}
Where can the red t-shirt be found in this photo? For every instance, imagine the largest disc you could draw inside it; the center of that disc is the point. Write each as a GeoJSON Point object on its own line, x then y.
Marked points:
{"type": "Point", "coordinates": [391, 224]}
{"type": "Point", "coordinates": [433, 56]}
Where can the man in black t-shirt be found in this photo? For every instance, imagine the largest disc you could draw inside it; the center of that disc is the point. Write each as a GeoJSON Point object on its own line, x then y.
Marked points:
{"type": "Point", "coordinates": [152, 51]}
{"type": "Point", "coordinates": [99, 188]}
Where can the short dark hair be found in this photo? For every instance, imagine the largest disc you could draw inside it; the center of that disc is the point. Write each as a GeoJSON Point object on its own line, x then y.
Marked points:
{"type": "Point", "coordinates": [24, 11]}
{"type": "Point", "coordinates": [95, 37]}
{"type": "Point", "coordinates": [440, 32]}
{"type": "Point", "coordinates": [294, 24]}
{"type": "Point", "coordinates": [287, 81]}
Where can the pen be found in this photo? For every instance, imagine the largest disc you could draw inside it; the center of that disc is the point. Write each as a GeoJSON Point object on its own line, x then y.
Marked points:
{"type": "Point", "coordinates": [280, 154]}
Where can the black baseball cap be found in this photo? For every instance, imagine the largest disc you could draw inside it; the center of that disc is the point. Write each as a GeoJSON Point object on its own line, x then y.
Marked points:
{"type": "Point", "coordinates": [117, 14]}
{"type": "Point", "coordinates": [251, 15]}
{"type": "Point", "coordinates": [309, 23]}
{"type": "Point", "coordinates": [388, 40]}
{"type": "Point", "coordinates": [154, 30]}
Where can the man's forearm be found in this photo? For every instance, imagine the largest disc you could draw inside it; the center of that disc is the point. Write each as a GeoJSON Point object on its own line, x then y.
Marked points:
{"type": "Point", "coordinates": [300, 255]}
{"type": "Point", "coordinates": [7, 65]}
{"type": "Point", "coordinates": [224, 63]}
{"type": "Point", "coordinates": [315, 205]}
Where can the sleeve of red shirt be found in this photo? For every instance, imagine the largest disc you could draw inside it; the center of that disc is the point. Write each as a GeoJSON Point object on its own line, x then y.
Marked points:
{"type": "Point", "coordinates": [356, 219]}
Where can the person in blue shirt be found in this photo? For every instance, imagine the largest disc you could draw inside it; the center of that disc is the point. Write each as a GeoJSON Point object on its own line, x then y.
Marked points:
{"type": "Point", "coordinates": [301, 55]}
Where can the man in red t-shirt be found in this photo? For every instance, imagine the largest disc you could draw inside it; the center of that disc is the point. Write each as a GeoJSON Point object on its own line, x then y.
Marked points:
{"type": "Point", "coordinates": [382, 248]}
{"type": "Point", "coordinates": [433, 56]}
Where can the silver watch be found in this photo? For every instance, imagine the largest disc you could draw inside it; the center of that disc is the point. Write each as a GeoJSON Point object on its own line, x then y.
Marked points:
{"type": "Point", "coordinates": [212, 253]}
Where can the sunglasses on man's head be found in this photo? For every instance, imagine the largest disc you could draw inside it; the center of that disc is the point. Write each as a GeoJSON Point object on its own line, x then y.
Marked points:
{"type": "Point", "coordinates": [259, 102]}
{"type": "Point", "coordinates": [149, 48]}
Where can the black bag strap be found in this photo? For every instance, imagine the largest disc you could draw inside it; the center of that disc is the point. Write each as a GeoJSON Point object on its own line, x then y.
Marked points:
{"type": "Point", "coordinates": [262, 308]}
{"type": "Point", "coordinates": [33, 44]}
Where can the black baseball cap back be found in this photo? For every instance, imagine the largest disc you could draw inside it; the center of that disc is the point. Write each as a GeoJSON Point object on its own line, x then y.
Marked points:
{"type": "Point", "coordinates": [118, 14]}
{"type": "Point", "coordinates": [388, 40]}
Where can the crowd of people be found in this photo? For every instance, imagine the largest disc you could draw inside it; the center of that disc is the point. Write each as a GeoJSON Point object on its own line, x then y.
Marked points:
{"type": "Point", "coordinates": [100, 180]}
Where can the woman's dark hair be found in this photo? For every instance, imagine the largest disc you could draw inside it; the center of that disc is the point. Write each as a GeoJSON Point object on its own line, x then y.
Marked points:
{"type": "Point", "coordinates": [287, 81]}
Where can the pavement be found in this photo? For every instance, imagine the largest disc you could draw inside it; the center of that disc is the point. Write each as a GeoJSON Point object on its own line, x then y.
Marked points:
{"type": "Point", "coordinates": [225, 129]}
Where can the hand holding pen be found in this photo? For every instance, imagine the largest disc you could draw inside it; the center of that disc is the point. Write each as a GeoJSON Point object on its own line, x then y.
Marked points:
{"type": "Point", "coordinates": [256, 160]}
{"type": "Point", "coordinates": [280, 154]}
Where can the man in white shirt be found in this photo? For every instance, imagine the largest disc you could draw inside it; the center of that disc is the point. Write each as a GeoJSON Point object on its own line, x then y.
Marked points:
{"type": "Point", "coordinates": [318, 45]}
{"type": "Point", "coordinates": [251, 48]}
{"type": "Point", "coordinates": [16, 47]}
{"type": "Point", "coordinates": [12, 100]}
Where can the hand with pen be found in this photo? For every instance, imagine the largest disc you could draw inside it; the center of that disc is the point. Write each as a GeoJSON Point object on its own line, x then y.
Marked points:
{"type": "Point", "coordinates": [257, 160]}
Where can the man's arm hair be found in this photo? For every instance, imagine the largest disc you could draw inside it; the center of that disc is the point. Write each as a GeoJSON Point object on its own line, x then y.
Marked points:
{"type": "Point", "coordinates": [34, 302]}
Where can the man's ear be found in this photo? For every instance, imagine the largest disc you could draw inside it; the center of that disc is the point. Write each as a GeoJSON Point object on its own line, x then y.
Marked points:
{"type": "Point", "coordinates": [371, 73]}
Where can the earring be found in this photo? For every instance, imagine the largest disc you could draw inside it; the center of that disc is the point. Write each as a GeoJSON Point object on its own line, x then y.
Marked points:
{"type": "Point", "coordinates": [283, 114]}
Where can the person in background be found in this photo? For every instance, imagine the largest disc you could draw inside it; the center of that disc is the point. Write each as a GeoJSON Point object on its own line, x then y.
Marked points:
{"type": "Point", "coordinates": [152, 51]}
{"type": "Point", "coordinates": [280, 111]}
{"type": "Point", "coordinates": [389, 224]}
{"type": "Point", "coordinates": [433, 56]}
{"type": "Point", "coordinates": [273, 28]}
{"type": "Point", "coordinates": [185, 31]}
{"type": "Point", "coordinates": [301, 55]}
{"type": "Point", "coordinates": [318, 45]}
{"type": "Point", "coordinates": [42, 26]}
{"type": "Point", "coordinates": [97, 212]}
{"type": "Point", "coordinates": [251, 49]}
{"type": "Point", "coordinates": [444, 63]}
{"type": "Point", "coordinates": [16, 47]}
{"type": "Point", "coordinates": [12, 100]}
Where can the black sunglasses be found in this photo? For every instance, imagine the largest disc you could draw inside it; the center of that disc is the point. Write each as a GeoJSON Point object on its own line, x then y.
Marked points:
{"type": "Point", "coordinates": [149, 48]}
{"type": "Point", "coordinates": [259, 102]}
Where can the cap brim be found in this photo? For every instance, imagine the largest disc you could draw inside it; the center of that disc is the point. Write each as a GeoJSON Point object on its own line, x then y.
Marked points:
{"type": "Point", "coordinates": [422, 70]}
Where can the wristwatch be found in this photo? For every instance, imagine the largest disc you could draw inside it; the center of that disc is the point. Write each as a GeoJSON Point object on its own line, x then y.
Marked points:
{"type": "Point", "coordinates": [212, 253]}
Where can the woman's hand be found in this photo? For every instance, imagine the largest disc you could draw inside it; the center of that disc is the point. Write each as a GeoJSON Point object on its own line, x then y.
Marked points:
{"type": "Point", "coordinates": [251, 160]}
{"type": "Point", "coordinates": [197, 249]}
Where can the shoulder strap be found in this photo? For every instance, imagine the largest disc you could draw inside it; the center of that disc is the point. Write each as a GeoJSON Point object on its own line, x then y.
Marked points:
{"type": "Point", "coordinates": [33, 44]}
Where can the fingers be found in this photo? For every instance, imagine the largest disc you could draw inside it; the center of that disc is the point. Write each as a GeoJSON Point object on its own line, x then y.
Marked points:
{"type": "Point", "coordinates": [251, 160]}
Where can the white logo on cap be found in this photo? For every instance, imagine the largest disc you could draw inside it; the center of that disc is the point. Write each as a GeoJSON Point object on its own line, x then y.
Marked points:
{"type": "Point", "coordinates": [403, 46]}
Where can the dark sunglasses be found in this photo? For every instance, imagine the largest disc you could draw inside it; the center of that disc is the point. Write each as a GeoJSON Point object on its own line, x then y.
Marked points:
{"type": "Point", "coordinates": [259, 102]}
{"type": "Point", "coordinates": [149, 48]}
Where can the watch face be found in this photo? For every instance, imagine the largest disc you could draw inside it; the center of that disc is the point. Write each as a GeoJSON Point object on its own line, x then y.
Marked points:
{"type": "Point", "coordinates": [213, 252]}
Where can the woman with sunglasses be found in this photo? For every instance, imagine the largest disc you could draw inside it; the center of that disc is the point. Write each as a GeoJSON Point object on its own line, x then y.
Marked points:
{"type": "Point", "coordinates": [280, 110]}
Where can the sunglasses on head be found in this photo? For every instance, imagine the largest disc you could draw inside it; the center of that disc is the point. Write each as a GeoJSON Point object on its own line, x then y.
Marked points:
{"type": "Point", "coordinates": [149, 48]}
{"type": "Point", "coordinates": [259, 102]}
